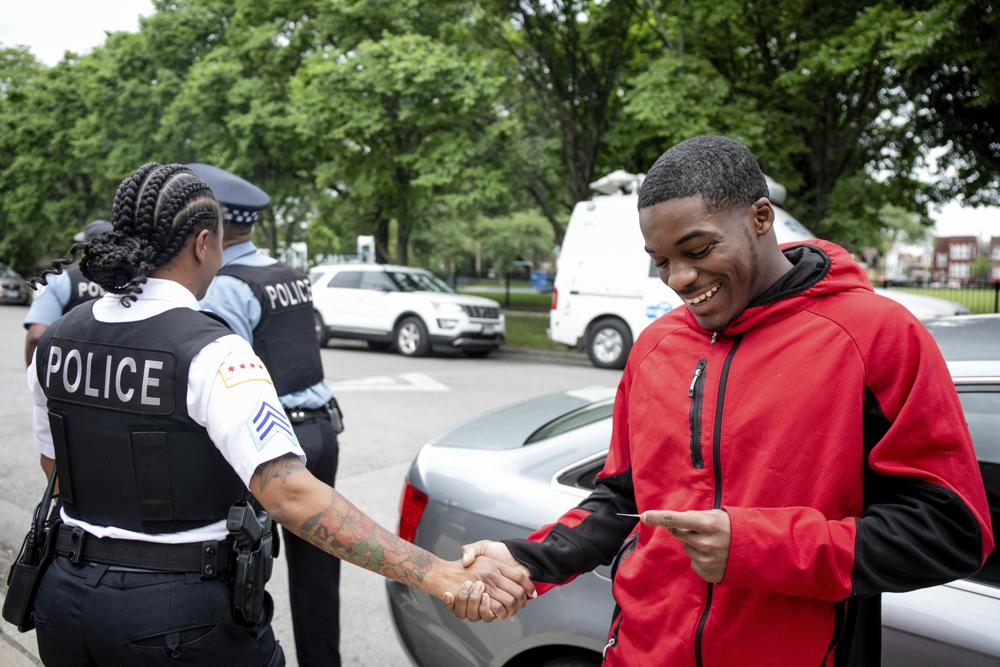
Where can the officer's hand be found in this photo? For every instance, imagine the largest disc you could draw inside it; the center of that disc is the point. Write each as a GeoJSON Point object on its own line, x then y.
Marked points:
{"type": "Point", "coordinates": [463, 606]}
{"type": "Point", "coordinates": [705, 534]}
{"type": "Point", "coordinates": [509, 586]}
{"type": "Point", "coordinates": [471, 602]}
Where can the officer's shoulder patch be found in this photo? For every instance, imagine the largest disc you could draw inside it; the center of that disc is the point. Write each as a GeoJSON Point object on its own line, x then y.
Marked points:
{"type": "Point", "coordinates": [242, 367]}
{"type": "Point", "coordinates": [269, 420]}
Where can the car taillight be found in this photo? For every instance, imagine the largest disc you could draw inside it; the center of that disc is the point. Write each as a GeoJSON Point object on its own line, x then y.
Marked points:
{"type": "Point", "coordinates": [555, 298]}
{"type": "Point", "coordinates": [411, 508]}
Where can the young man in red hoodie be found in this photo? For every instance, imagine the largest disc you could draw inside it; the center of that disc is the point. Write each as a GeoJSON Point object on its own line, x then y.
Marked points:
{"type": "Point", "coordinates": [793, 443]}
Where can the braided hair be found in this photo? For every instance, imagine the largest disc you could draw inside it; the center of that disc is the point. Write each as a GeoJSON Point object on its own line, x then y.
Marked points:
{"type": "Point", "coordinates": [156, 208]}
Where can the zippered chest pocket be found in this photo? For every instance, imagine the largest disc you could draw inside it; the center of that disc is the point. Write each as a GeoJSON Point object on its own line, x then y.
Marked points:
{"type": "Point", "coordinates": [696, 394]}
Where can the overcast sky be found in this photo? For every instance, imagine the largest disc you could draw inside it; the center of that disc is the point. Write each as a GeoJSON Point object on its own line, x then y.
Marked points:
{"type": "Point", "coordinates": [51, 27]}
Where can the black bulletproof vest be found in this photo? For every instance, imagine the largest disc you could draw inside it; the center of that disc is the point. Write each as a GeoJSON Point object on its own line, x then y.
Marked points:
{"type": "Point", "coordinates": [285, 337]}
{"type": "Point", "coordinates": [127, 452]}
{"type": "Point", "coordinates": [81, 289]}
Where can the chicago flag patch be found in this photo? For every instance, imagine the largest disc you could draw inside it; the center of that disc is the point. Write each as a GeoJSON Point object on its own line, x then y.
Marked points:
{"type": "Point", "coordinates": [237, 369]}
{"type": "Point", "coordinates": [267, 421]}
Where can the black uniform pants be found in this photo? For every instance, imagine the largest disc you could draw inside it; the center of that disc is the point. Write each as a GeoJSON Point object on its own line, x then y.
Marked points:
{"type": "Point", "coordinates": [86, 614]}
{"type": "Point", "coordinates": [314, 575]}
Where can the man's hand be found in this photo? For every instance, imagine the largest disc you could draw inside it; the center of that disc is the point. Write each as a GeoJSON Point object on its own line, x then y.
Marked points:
{"type": "Point", "coordinates": [487, 589]}
{"type": "Point", "coordinates": [471, 602]}
{"type": "Point", "coordinates": [705, 534]}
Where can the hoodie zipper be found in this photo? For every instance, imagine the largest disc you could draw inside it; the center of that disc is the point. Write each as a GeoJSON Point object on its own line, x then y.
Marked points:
{"type": "Point", "coordinates": [695, 393]}
{"type": "Point", "coordinates": [613, 640]}
{"type": "Point", "coordinates": [717, 470]}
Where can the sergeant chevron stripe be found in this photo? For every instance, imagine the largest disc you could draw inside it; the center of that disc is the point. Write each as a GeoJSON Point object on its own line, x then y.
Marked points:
{"type": "Point", "coordinates": [267, 421]}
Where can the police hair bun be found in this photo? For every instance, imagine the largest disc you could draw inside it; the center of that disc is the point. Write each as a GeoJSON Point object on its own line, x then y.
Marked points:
{"type": "Point", "coordinates": [156, 208]}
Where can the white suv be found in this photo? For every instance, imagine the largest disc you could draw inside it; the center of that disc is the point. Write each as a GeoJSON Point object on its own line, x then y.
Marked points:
{"type": "Point", "coordinates": [402, 307]}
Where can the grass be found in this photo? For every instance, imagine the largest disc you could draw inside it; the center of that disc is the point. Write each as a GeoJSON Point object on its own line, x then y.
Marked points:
{"type": "Point", "coordinates": [522, 300]}
{"type": "Point", "coordinates": [978, 300]}
{"type": "Point", "coordinates": [528, 330]}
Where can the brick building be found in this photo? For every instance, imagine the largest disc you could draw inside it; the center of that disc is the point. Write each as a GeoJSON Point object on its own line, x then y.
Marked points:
{"type": "Point", "coordinates": [953, 258]}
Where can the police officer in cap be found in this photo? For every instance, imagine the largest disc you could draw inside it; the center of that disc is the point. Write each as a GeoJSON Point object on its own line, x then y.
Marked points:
{"type": "Point", "coordinates": [158, 421]}
{"type": "Point", "coordinates": [63, 292]}
{"type": "Point", "coordinates": [270, 305]}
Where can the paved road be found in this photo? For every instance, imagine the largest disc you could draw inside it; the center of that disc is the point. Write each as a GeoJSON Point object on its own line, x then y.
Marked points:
{"type": "Point", "coordinates": [392, 406]}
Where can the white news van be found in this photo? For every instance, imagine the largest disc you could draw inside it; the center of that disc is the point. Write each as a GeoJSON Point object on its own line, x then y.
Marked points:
{"type": "Point", "coordinates": [607, 289]}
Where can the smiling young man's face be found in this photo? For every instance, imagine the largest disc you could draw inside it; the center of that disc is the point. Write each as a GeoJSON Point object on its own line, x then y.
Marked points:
{"type": "Point", "coordinates": [709, 259]}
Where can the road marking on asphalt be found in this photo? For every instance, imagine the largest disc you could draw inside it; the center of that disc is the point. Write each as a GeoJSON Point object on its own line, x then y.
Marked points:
{"type": "Point", "coordinates": [401, 382]}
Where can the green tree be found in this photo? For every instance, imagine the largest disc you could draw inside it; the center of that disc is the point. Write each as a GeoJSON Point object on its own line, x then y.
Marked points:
{"type": "Point", "coordinates": [981, 267]}
{"type": "Point", "coordinates": [404, 130]}
{"type": "Point", "coordinates": [947, 58]}
{"type": "Point", "coordinates": [524, 235]}
{"type": "Point", "coordinates": [565, 62]}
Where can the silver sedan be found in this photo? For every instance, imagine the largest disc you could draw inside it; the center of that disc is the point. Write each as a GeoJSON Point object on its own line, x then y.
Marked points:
{"type": "Point", "coordinates": [541, 457]}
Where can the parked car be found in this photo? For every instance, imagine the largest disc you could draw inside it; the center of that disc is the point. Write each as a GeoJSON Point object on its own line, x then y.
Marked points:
{"type": "Point", "coordinates": [542, 457]}
{"type": "Point", "coordinates": [13, 289]}
{"type": "Point", "coordinates": [402, 307]}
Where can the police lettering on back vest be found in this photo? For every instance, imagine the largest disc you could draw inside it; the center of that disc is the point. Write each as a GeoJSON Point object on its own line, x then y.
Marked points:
{"type": "Point", "coordinates": [81, 289]}
{"type": "Point", "coordinates": [117, 397]}
{"type": "Point", "coordinates": [284, 338]}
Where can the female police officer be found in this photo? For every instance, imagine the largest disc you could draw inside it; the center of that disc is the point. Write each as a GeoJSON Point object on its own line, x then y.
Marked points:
{"type": "Point", "coordinates": [158, 420]}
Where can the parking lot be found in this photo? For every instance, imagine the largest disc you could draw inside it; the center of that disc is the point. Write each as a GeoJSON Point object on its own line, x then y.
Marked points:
{"type": "Point", "coordinates": [392, 406]}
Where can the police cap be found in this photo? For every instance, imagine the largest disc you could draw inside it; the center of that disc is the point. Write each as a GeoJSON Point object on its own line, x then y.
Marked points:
{"type": "Point", "coordinates": [93, 229]}
{"type": "Point", "coordinates": [240, 199]}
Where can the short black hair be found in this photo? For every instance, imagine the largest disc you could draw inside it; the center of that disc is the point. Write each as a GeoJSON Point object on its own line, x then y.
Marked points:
{"type": "Point", "coordinates": [723, 171]}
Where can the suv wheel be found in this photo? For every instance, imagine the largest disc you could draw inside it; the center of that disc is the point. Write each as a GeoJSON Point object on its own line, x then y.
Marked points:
{"type": "Point", "coordinates": [609, 343]}
{"type": "Point", "coordinates": [321, 335]}
{"type": "Point", "coordinates": [411, 337]}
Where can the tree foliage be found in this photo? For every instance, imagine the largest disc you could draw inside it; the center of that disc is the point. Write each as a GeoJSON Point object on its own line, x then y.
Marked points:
{"type": "Point", "coordinates": [448, 129]}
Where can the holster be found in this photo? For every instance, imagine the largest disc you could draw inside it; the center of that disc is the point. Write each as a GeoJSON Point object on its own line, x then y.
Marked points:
{"type": "Point", "coordinates": [253, 558]}
{"type": "Point", "coordinates": [336, 416]}
{"type": "Point", "coordinates": [34, 558]}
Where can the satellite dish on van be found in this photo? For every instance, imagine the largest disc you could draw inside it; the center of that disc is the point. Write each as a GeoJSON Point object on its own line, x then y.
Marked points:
{"type": "Point", "coordinates": [617, 181]}
{"type": "Point", "coordinates": [776, 192]}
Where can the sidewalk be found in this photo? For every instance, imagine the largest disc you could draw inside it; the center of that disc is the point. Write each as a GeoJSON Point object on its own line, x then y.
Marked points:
{"type": "Point", "coordinates": [17, 649]}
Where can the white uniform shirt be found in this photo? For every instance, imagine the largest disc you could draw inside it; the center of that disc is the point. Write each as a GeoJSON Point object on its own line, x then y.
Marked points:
{"type": "Point", "coordinates": [228, 391]}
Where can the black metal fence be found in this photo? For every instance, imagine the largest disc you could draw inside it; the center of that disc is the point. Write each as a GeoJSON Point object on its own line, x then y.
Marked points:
{"type": "Point", "coordinates": [516, 290]}
{"type": "Point", "coordinates": [978, 297]}
{"type": "Point", "coordinates": [523, 290]}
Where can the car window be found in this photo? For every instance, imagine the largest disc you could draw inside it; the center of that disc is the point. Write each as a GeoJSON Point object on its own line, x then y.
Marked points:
{"type": "Point", "coordinates": [413, 281]}
{"type": "Point", "coordinates": [7, 272]}
{"type": "Point", "coordinates": [982, 412]}
{"type": "Point", "coordinates": [315, 276]}
{"type": "Point", "coordinates": [346, 279]}
{"type": "Point", "coordinates": [377, 280]}
{"type": "Point", "coordinates": [584, 476]}
{"type": "Point", "coordinates": [571, 421]}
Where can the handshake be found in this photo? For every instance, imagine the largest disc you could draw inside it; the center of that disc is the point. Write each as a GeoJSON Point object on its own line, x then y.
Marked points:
{"type": "Point", "coordinates": [492, 584]}
{"type": "Point", "coordinates": [486, 584]}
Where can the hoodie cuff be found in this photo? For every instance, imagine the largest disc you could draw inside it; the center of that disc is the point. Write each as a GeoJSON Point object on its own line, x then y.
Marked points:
{"type": "Point", "coordinates": [738, 565]}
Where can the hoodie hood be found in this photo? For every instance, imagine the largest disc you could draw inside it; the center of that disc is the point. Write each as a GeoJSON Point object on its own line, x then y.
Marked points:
{"type": "Point", "coordinates": [843, 274]}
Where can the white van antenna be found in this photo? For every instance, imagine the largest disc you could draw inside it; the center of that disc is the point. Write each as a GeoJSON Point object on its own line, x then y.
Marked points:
{"type": "Point", "coordinates": [776, 192]}
{"type": "Point", "coordinates": [617, 181]}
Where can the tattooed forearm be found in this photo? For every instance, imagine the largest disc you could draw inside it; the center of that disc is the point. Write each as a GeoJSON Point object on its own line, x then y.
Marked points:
{"type": "Point", "coordinates": [279, 468]}
{"type": "Point", "coordinates": [344, 531]}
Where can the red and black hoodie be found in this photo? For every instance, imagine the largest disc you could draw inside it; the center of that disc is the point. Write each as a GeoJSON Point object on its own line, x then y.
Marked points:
{"type": "Point", "coordinates": [823, 420]}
